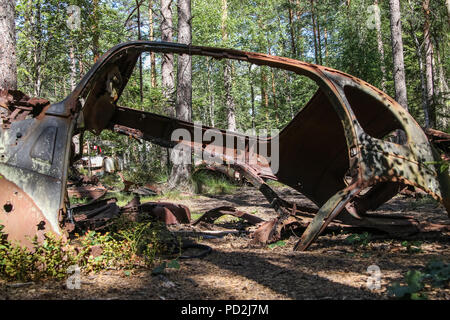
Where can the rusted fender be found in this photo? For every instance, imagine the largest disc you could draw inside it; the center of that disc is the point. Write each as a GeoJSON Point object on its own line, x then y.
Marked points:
{"type": "Point", "coordinates": [167, 212]}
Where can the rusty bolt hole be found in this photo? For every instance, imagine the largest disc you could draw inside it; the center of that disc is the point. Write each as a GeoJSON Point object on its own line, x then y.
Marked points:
{"type": "Point", "coordinates": [8, 207]}
{"type": "Point", "coordinates": [41, 225]}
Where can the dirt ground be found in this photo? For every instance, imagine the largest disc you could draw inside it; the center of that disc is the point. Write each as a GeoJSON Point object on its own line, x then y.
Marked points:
{"type": "Point", "coordinates": [331, 268]}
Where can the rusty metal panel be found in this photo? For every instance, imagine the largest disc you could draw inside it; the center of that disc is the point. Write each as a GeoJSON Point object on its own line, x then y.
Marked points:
{"type": "Point", "coordinates": [34, 153]}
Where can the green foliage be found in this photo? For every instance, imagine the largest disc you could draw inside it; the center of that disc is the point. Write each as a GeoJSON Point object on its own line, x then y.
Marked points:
{"type": "Point", "coordinates": [277, 244]}
{"type": "Point", "coordinates": [144, 239]}
{"type": "Point", "coordinates": [411, 290]}
{"type": "Point", "coordinates": [128, 245]}
{"type": "Point", "coordinates": [161, 268]}
{"type": "Point", "coordinates": [16, 263]}
{"type": "Point", "coordinates": [49, 259]}
{"type": "Point", "coordinates": [356, 239]}
{"type": "Point", "coordinates": [436, 274]}
{"type": "Point", "coordinates": [75, 200]}
{"type": "Point", "coordinates": [279, 27]}
{"type": "Point", "coordinates": [443, 165]}
{"type": "Point", "coordinates": [412, 246]}
{"type": "Point", "coordinates": [114, 253]}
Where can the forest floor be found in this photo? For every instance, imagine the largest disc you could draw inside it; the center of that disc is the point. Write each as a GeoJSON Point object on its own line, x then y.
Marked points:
{"type": "Point", "coordinates": [332, 268]}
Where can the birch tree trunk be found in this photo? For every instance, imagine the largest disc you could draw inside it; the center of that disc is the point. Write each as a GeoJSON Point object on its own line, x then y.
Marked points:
{"type": "Point", "coordinates": [8, 66]}
{"type": "Point", "coordinates": [37, 45]}
{"type": "Point", "coordinates": [141, 78]}
{"type": "Point", "coordinates": [229, 101]}
{"type": "Point", "coordinates": [422, 79]}
{"type": "Point", "coordinates": [319, 41]}
{"type": "Point", "coordinates": [399, 65]}
{"type": "Point", "coordinates": [442, 91]}
{"type": "Point", "coordinates": [447, 4]}
{"type": "Point", "coordinates": [167, 61]}
{"type": "Point", "coordinates": [167, 76]}
{"type": "Point", "coordinates": [429, 77]}
{"type": "Point", "coordinates": [274, 90]}
{"type": "Point", "coordinates": [291, 29]}
{"type": "Point", "coordinates": [298, 13]}
{"type": "Point", "coordinates": [264, 95]}
{"type": "Point", "coordinates": [287, 81]}
{"type": "Point", "coordinates": [64, 87]}
{"type": "Point", "coordinates": [325, 35]}
{"type": "Point", "coordinates": [151, 38]}
{"type": "Point", "coordinates": [211, 95]}
{"type": "Point", "coordinates": [95, 32]}
{"type": "Point", "coordinates": [274, 95]}
{"type": "Point", "coordinates": [184, 71]}
{"type": "Point", "coordinates": [81, 68]}
{"type": "Point", "coordinates": [443, 85]}
{"type": "Point", "coordinates": [252, 94]}
{"type": "Point", "coordinates": [397, 54]}
{"type": "Point", "coordinates": [180, 173]}
{"type": "Point", "coordinates": [316, 50]}
{"type": "Point", "coordinates": [380, 45]}
{"type": "Point", "coordinates": [73, 68]}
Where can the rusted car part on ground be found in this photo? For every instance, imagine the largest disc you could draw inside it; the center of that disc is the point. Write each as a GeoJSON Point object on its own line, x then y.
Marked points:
{"type": "Point", "coordinates": [92, 216]}
{"type": "Point", "coordinates": [334, 151]}
{"type": "Point", "coordinates": [214, 214]}
{"type": "Point", "coordinates": [99, 214]}
{"type": "Point", "coordinates": [83, 187]}
{"type": "Point", "coordinates": [167, 212]}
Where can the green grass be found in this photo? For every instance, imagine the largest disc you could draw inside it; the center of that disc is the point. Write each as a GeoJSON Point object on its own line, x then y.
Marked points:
{"type": "Point", "coordinates": [141, 176]}
{"type": "Point", "coordinates": [123, 198]}
{"type": "Point", "coordinates": [212, 184]}
{"type": "Point", "coordinates": [169, 195]}
{"type": "Point", "coordinates": [112, 180]}
{"type": "Point", "coordinates": [195, 215]}
{"type": "Point", "coordinates": [227, 218]}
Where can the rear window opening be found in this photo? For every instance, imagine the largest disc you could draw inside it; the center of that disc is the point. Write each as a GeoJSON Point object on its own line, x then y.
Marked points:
{"type": "Point", "coordinates": [373, 116]}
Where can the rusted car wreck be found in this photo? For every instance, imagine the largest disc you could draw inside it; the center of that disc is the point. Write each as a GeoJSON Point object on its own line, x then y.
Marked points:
{"type": "Point", "coordinates": [334, 151]}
